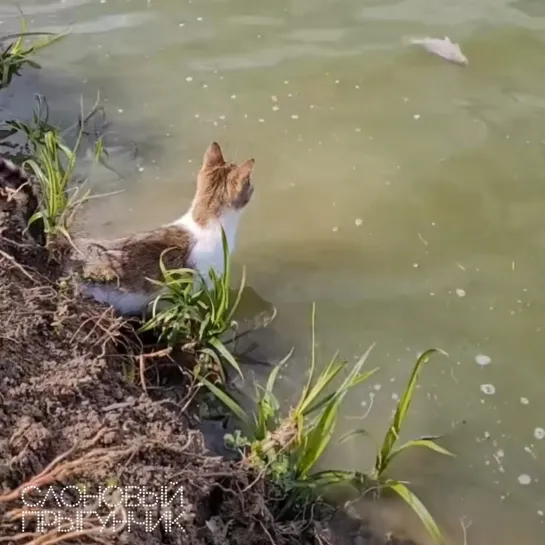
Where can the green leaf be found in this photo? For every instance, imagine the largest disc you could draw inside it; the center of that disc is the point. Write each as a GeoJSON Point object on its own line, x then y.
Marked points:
{"type": "Point", "coordinates": [401, 412]}
{"type": "Point", "coordinates": [319, 437]}
{"type": "Point", "coordinates": [274, 373]}
{"type": "Point", "coordinates": [423, 442]}
{"type": "Point", "coordinates": [419, 508]}
{"type": "Point", "coordinates": [228, 401]}
{"type": "Point", "coordinates": [226, 355]}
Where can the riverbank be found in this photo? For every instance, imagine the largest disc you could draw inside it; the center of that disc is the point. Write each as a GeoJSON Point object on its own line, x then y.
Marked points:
{"type": "Point", "coordinates": [71, 414]}
{"type": "Point", "coordinates": [74, 420]}
{"type": "Point", "coordinates": [102, 438]}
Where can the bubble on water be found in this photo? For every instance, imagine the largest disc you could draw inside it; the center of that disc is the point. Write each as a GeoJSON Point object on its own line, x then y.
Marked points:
{"type": "Point", "coordinates": [416, 116]}
{"type": "Point", "coordinates": [275, 108]}
{"type": "Point", "coordinates": [295, 116]}
{"type": "Point", "coordinates": [483, 359]}
{"type": "Point", "coordinates": [460, 292]}
{"type": "Point", "coordinates": [488, 389]}
{"type": "Point", "coordinates": [358, 222]}
{"type": "Point", "coordinates": [377, 387]}
{"type": "Point", "coordinates": [395, 397]}
{"type": "Point", "coordinates": [524, 479]}
{"type": "Point", "coordinates": [189, 78]}
{"type": "Point", "coordinates": [335, 229]}
{"type": "Point", "coordinates": [524, 400]}
{"type": "Point", "coordinates": [539, 433]}
{"type": "Point", "coordinates": [261, 120]}
{"type": "Point", "coordinates": [233, 96]}
{"type": "Point", "coordinates": [199, 18]}
{"type": "Point", "coordinates": [540, 512]}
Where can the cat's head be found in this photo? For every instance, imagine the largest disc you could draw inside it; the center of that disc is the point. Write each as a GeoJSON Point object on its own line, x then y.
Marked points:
{"type": "Point", "coordinates": [221, 185]}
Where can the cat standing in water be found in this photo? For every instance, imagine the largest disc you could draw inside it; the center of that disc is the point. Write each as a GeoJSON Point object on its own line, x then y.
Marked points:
{"type": "Point", "coordinates": [116, 271]}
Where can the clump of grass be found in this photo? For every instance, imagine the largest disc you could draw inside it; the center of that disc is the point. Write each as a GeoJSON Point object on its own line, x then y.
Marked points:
{"type": "Point", "coordinates": [288, 447]}
{"type": "Point", "coordinates": [196, 317]}
{"type": "Point", "coordinates": [53, 164]}
{"type": "Point", "coordinates": [15, 55]}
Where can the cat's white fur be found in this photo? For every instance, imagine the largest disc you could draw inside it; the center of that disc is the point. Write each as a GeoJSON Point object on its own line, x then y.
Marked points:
{"type": "Point", "coordinates": [206, 253]}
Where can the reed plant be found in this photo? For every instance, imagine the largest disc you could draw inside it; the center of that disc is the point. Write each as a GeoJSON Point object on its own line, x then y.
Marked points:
{"type": "Point", "coordinates": [189, 314]}
{"type": "Point", "coordinates": [288, 447]}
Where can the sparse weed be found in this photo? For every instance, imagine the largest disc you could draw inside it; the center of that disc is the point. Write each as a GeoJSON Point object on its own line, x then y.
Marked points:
{"type": "Point", "coordinates": [15, 55]}
{"type": "Point", "coordinates": [53, 163]}
{"type": "Point", "coordinates": [377, 481]}
{"type": "Point", "coordinates": [196, 317]}
{"type": "Point", "coordinates": [288, 447]}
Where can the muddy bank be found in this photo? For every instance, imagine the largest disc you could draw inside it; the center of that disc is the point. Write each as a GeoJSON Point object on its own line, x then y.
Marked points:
{"type": "Point", "coordinates": [85, 455]}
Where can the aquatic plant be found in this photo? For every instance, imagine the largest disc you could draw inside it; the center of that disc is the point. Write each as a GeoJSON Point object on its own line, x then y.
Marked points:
{"type": "Point", "coordinates": [288, 447]}
{"type": "Point", "coordinates": [15, 55]}
{"type": "Point", "coordinates": [196, 317]}
{"type": "Point", "coordinates": [377, 481]}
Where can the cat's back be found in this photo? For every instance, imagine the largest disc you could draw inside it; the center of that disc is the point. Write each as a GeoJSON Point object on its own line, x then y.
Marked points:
{"type": "Point", "coordinates": [132, 259]}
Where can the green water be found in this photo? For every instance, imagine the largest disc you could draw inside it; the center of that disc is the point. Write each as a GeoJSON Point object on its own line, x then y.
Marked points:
{"type": "Point", "coordinates": [404, 195]}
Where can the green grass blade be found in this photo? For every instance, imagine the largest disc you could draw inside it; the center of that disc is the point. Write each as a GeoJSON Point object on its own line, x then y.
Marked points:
{"type": "Point", "coordinates": [419, 508]}
{"type": "Point", "coordinates": [236, 303]}
{"type": "Point", "coordinates": [319, 437]}
{"type": "Point", "coordinates": [402, 409]}
{"type": "Point", "coordinates": [354, 433]}
{"type": "Point", "coordinates": [312, 357]}
{"type": "Point", "coordinates": [362, 377]}
{"type": "Point", "coordinates": [423, 442]}
{"type": "Point", "coordinates": [274, 373]}
{"type": "Point", "coordinates": [228, 401]}
{"type": "Point", "coordinates": [226, 355]}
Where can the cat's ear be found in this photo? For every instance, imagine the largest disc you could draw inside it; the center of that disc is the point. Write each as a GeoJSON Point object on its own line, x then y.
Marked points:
{"type": "Point", "coordinates": [213, 156]}
{"type": "Point", "coordinates": [245, 168]}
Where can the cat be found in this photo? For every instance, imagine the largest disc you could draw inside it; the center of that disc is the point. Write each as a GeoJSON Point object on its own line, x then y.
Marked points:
{"type": "Point", "coordinates": [116, 271]}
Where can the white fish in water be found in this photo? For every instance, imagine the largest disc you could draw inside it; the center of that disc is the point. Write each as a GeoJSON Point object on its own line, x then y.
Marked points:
{"type": "Point", "coordinates": [443, 47]}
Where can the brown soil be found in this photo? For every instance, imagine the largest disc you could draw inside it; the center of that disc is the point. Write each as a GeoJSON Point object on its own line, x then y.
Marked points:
{"type": "Point", "coordinates": [72, 413]}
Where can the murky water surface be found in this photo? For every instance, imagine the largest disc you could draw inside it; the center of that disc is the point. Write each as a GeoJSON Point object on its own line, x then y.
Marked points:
{"type": "Point", "coordinates": [404, 195]}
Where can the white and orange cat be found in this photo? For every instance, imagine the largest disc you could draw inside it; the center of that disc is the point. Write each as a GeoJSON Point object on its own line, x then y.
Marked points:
{"type": "Point", "coordinates": [116, 271]}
